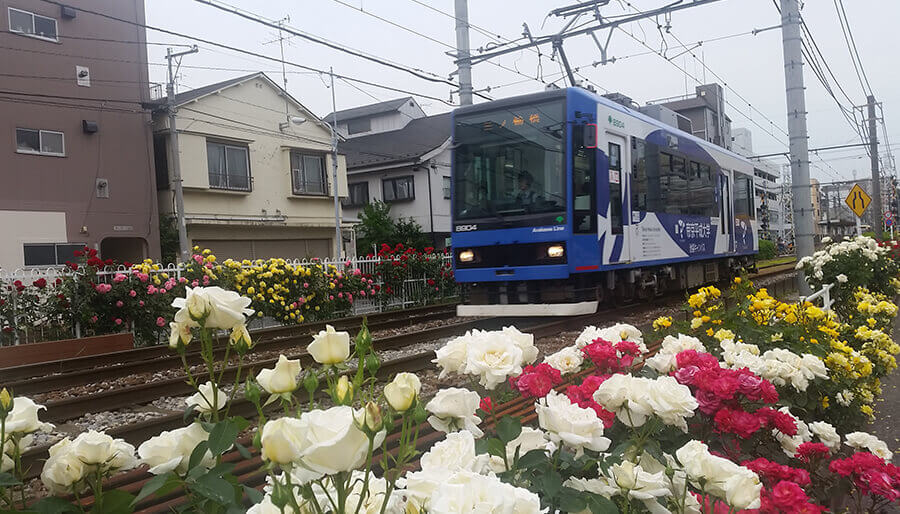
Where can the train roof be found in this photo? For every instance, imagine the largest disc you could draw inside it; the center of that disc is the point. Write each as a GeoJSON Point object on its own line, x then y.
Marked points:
{"type": "Point", "coordinates": [565, 92]}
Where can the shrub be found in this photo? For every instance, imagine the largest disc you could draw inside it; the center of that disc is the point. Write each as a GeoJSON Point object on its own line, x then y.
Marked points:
{"type": "Point", "coordinates": [766, 250]}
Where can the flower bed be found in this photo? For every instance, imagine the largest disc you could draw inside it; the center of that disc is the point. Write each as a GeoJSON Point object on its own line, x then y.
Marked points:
{"type": "Point", "coordinates": [136, 297]}
{"type": "Point", "coordinates": [752, 405]}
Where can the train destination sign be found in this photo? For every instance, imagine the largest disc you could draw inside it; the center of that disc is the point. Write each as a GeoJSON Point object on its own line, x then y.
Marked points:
{"type": "Point", "coordinates": [858, 200]}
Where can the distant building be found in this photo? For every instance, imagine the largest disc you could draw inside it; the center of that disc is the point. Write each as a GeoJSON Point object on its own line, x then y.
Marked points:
{"type": "Point", "coordinates": [376, 118]}
{"type": "Point", "coordinates": [76, 140]}
{"type": "Point", "coordinates": [706, 112]}
{"type": "Point", "coordinates": [771, 209]}
{"type": "Point", "coordinates": [407, 167]}
{"type": "Point", "coordinates": [256, 169]}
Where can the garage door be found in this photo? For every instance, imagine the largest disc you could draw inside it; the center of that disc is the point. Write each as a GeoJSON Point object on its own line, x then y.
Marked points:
{"type": "Point", "coordinates": [266, 248]}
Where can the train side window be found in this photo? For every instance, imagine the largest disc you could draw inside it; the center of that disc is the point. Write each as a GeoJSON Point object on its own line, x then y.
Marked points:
{"type": "Point", "coordinates": [702, 195]}
{"type": "Point", "coordinates": [674, 179]}
{"type": "Point", "coordinates": [646, 187]}
{"type": "Point", "coordinates": [584, 182]}
{"type": "Point", "coordinates": [743, 197]}
{"type": "Point", "coordinates": [615, 188]}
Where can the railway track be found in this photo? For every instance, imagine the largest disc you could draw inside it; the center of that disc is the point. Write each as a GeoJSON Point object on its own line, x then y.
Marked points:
{"type": "Point", "coordinates": [248, 471]}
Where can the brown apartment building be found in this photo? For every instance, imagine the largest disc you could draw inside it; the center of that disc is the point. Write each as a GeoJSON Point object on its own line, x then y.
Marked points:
{"type": "Point", "coordinates": [76, 152]}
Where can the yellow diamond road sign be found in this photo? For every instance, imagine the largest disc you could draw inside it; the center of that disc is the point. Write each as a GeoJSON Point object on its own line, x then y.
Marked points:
{"type": "Point", "coordinates": [858, 200]}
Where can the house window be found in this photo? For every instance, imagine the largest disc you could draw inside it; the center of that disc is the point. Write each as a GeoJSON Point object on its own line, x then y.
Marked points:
{"type": "Point", "coordinates": [446, 188]}
{"type": "Point", "coordinates": [308, 174]}
{"type": "Point", "coordinates": [50, 254]}
{"type": "Point", "coordinates": [359, 194]}
{"type": "Point", "coordinates": [398, 189]}
{"type": "Point", "coordinates": [229, 166]}
{"type": "Point", "coordinates": [34, 25]}
{"type": "Point", "coordinates": [359, 126]}
{"type": "Point", "coordinates": [40, 142]}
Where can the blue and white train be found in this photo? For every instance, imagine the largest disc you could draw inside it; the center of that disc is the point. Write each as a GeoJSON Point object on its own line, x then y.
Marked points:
{"type": "Point", "coordinates": [562, 200]}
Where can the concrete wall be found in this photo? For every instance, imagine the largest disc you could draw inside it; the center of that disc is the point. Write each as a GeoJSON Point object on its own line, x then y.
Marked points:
{"type": "Point", "coordinates": [271, 202]}
{"type": "Point", "coordinates": [121, 150]}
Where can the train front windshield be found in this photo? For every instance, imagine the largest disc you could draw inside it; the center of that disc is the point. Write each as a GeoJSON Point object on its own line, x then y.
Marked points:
{"type": "Point", "coordinates": [509, 163]}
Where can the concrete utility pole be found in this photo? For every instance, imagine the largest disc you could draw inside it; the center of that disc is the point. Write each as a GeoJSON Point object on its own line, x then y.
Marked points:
{"type": "Point", "coordinates": [792, 41]}
{"type": "Point", "coordinates": [876, 175]}
{"type": "Point", "coordinates": [338, 238]}
{"type": "Point", "coordinates": [184, 248]}
{"type": "Point", "coordinates": [463, 54]}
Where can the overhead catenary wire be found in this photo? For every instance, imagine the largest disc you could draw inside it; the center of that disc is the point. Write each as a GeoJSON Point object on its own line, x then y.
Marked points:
{"type": "Point", "coordinates": [246, 52]}
{"type": "Point", "coordinates": [851, 46]}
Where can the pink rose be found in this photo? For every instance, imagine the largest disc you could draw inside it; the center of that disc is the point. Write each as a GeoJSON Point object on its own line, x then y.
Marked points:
{"type": "Point", "coordinates": [132, 293]}
{"type": "Point", "coordinates": [118, 321]}
{"type": "Point", "coordinates": [120, 304]}
{"type": "Point", "coordinates": [160, 321]}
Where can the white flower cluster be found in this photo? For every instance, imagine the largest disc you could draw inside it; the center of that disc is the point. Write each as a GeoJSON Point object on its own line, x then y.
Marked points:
{"type": "Point", "coordinates": [71, 461]}
{"type": "Point", "coordinates": [369, 498]}
{"type": "Point", "coordinates": [454, 409]}
{"type": "Point", "coordinates": [735, 484]}
{"type": "Point", "coordinates": [614, 334]}
{"type": "Point", "coordinates": [569, 425]}
{"type": "Point", "coordinates": [867, 246]}
{"type": "Point", "coordinates": [664, 360]}
{"type": "Point", "coordinates": [492, 356]}
{"type": "Point", "coordinates": [779, 366]}
{"type": "Point", "coordinates": [870, 443]}
{"type": "Point", "coordinates": [568, 360]}
{"type": "Point", "coordinates": [635, 399]}
{"type": "Point", "coordinates": [19, 424]}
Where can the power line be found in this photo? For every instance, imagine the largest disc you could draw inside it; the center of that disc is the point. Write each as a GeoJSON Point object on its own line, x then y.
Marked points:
{"type": "Point", "coordinates": [103, 40]}
{"type": "Point", "coordinates": [851, 46]}
{"type": "Point", "coordinates": [246, 52]}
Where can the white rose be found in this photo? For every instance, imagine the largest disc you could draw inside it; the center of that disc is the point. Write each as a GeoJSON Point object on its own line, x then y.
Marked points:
{"type": "Point", "coordinates": [331, 442]}
{"type": "Point", "coordinates": [171, 450]}
{"type": "Point", "coordinates": [671, 401]}
{"type": "Point", "coordinates": [402, 391]}
{"type": "Point", "coordinates": [23, 418]}
{"type": "Point", "coordinates": [568, 360]}
{"type": "Point", "coordinates": [92, 447]}
{"type": "Point", "coordinates": [281, 440]}
{"type": "Point", "coordinates": [280, 379]}
{"type": "Point", "coordinates": [623, 332]}
{"type": "Point", "coordinates": [63, 469]}
{"type": "Point", "coordinates": [267, 507]}
{"type": "Point", "coordinates": [240, 337]}
{"type": "Point", "coordinates": [638, 483]}
{"type": "Point", "coordinates": [525, 342]}
{"type": "Point", "coordinates": [842, 278]}
{"type": "Point", "coordinates": [493, 359]}
{"type": "Point", "coordinates": [451, 357]}
{"type": "Point", "coordinates": [329, 346]}
{"type": "Point", "coordinates": [826, 433]}
{"type": "Point", "coordinates": [179, 333]}
{"type": "Point", "coordinates": [863, 440]}
{"type": "Point", "coordinates": [737, 485]}
{"type": "Point", "coordinates": [466, 491]}
{"type": "Point", "coordinates": [222, 309]}
{"type": "Point", "coordinates": [587, 336]}
{"type": "Point", "coordinates": [742, 489]}
{"type": "Point", "coordinates": [571, 425]}
{"type": "Point", "coordinates": [456, 451]}
{"type": "Point", "coordinates": [454, 409]}
{"type": "Point", "coordinates": [203, 399]}
{"type": "Point", "coordinates": [530, 439]}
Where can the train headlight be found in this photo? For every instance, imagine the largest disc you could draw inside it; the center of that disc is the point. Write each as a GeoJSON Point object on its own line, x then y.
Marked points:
{"type": "Point", "coordinates": [466, 256]}
{"type": "Point", "coordinates": [556, 251]}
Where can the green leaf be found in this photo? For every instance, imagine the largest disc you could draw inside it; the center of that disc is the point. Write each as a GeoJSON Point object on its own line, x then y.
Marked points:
{"type": "Point", "coordinates": [222, 469]}
{"type": "Point", "coordinates": [481, 446]}
{"type": "Point", "coordinates": [114, 501]}
{"type": "Point", "coordinates": [245, 453]}
{"type": "Point", "coordinates": [552, 482]}
{"type": "Point", "coordinates": [572, 501]}
{"type": "Point", "coordinates": [533, 459]}
{"type": "Point", "coordinates": [254, 495]}
{"type": "Point", "coordinates": [222, 437]}
{"type": "Point", "coordinates": [241, 422]}
{"type": "Point", "coordinates": [215, 489]}
{"type": "Point", "coordinates": [601, 505]}
{"type": "Point", "coordinates": [53, 505]}
{"type": "Point", "coordinates": [7, 480]}
{"type": "Point", "coordinates": [155, 484]}
{"type": "Point", "coordinates": [198, 454]}
{"type": "Point", "coordinates": [496, 447]}
{"type": "Point", "coordinates": [508, 428]}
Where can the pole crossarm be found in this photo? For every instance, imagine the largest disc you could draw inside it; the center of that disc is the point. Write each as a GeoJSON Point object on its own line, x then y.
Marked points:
{"type": "Point", "coordinates": [609, 24]}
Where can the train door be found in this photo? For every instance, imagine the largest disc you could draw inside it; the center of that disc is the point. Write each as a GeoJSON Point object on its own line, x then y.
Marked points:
{"type": "Point", "coordinates": [619, 173]}
{"type": "Point", "coordinates": [726, 213]}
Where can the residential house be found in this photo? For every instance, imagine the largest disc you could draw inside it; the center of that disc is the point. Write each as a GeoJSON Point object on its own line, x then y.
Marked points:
{"type": "Point", "coordinates": [706, 111]}
{"type": "Point", "coordinates": [372, 119]}
{"type": "Point", "coordinates": [256, 169]}
{"type": "Point", "coordinates": [408, 168]}
{"type": "Point", "coordinates": [76, 142]}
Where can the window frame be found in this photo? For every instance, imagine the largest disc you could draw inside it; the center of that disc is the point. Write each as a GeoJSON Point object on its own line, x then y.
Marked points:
{"type": "Point", "coordinates": [350, 188]}
{"type": "Point", "coordinates": [294, 186]}
{"type": "Point", "coordinates": [32, 34]}
{"type": "Point", "coordinates": [41, 133]}
{"type": "Point", "coordinates": [358, 121]}
{"type": "Point", "coordinates": [393, 180]}
{"type": "Point", "coordinates": [236, 146]}
{"type": "Point", "coordinates": [56, 257]}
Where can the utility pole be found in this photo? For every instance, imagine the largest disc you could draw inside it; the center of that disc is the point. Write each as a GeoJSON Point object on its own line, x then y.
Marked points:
{"type": "Point", "coordinates": [184, 249]}
{"type": "Point", "coordinates": [338, 239]}
{"type": "Point", "coordinates": [463, 53]}
{"type": "Point", "coordinates": [876, 175]}
{"type": "Point", "coordinates": [792, 43]}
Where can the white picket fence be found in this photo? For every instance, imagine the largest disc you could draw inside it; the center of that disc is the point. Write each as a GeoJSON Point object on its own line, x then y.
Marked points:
{"type": "Point", "coordinates": [824, 294]}
{"type": "Point", "coordinates": [410, 294]}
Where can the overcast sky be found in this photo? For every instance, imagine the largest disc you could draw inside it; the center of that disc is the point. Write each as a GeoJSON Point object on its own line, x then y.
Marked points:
{"type": "Point", "coordinates": [751, 65]}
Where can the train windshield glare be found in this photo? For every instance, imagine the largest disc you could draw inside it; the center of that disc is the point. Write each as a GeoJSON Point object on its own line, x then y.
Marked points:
{"type": "Point", "coordinates": [509, 162]}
